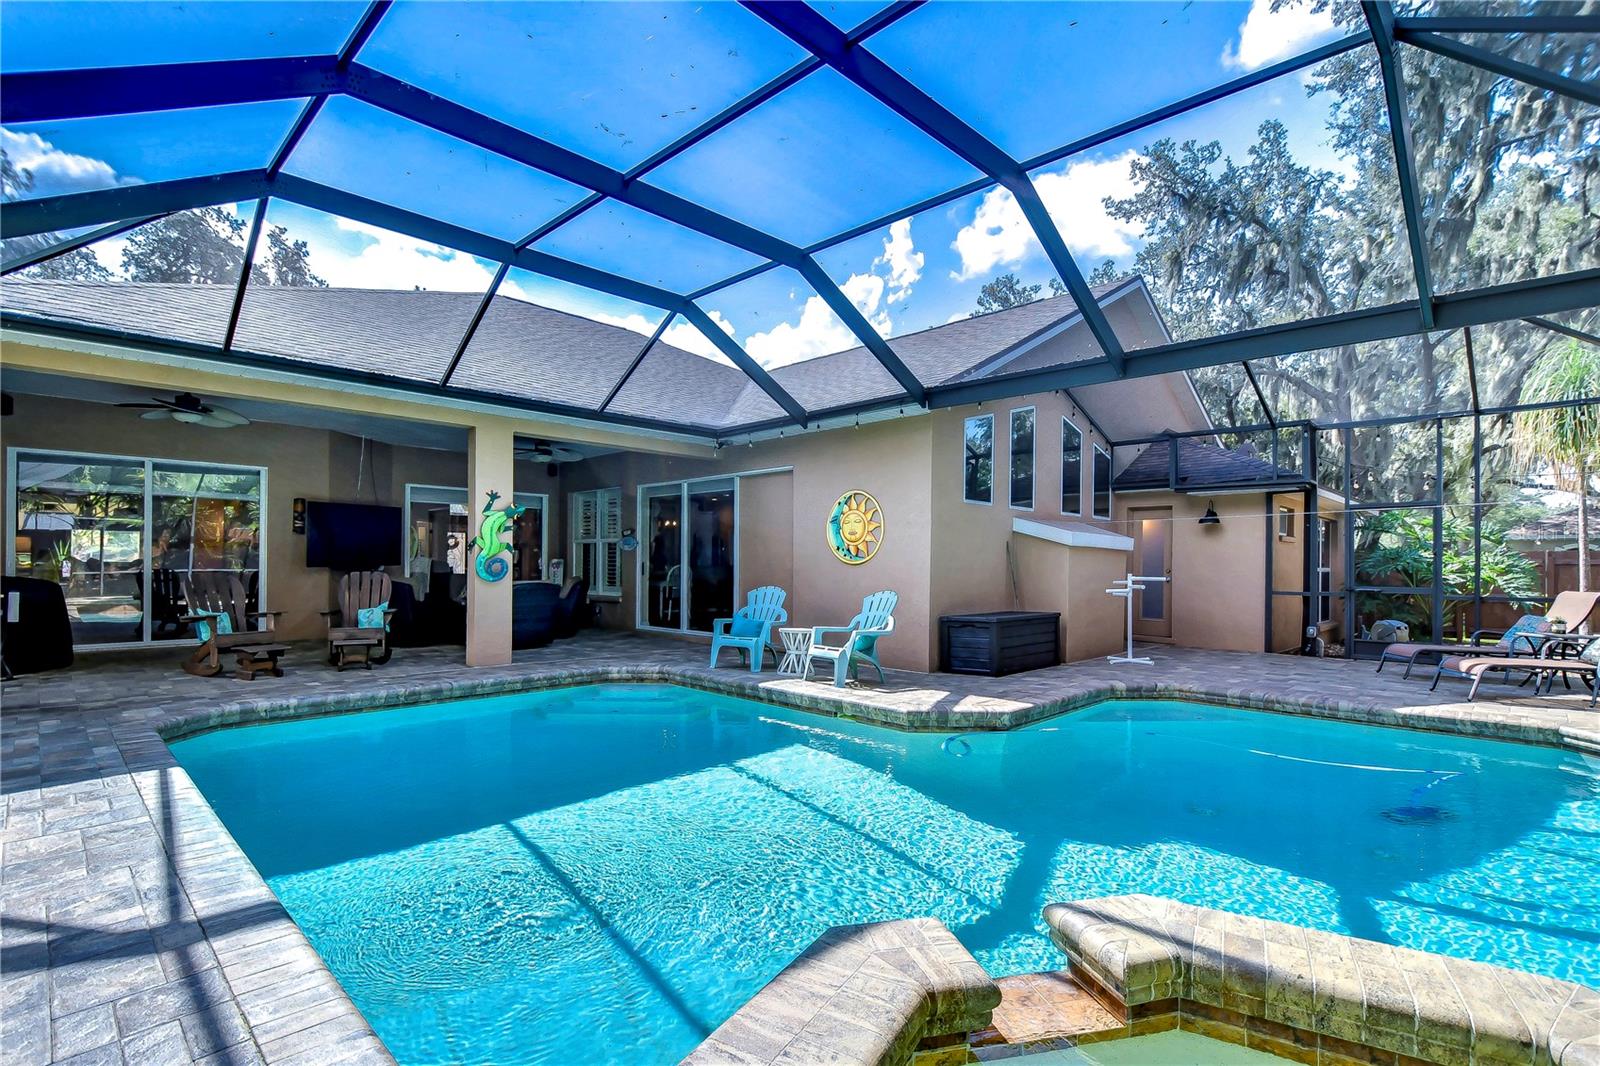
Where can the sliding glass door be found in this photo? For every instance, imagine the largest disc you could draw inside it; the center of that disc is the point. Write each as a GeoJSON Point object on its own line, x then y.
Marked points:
{"type": "Point", "coordinates": [687, 565]}
{"type": "Point", "coordinates": [119, 535]}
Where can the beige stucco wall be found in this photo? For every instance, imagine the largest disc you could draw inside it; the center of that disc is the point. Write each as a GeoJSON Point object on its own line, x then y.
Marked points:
{"type": "Point", "coordinates": [1217, 571]}
{"type": "Point", "coordinates": [1073, 581]}
{"type": "Point", "coordinates": [891, 460]}
{"type": "Point", "coordinates": [767, 558]}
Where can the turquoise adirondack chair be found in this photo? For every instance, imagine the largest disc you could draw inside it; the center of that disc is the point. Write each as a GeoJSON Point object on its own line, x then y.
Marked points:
{"type": "Point", "coordinates": [875, 622]}
{"type": "Point", "coordinates": [750, 630]}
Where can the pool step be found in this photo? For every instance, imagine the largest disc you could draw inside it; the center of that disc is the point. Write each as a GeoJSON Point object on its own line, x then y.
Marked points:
{"type": "Point", "coordinates": [1050, 1008]}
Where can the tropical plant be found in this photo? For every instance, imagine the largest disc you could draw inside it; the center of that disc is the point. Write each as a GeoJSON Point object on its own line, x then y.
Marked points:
{"type": "Point", "coordinates": [1563, 440]}
{"type": "Point", "coordinates": [1396, 548]}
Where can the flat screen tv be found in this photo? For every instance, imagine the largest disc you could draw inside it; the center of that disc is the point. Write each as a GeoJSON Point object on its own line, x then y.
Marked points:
{"type": "Point", "coordinates": [353, 536]}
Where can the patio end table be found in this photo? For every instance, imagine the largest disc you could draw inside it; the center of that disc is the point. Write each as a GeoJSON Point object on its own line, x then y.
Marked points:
{"type": "Point", "coordinates": [796, 653]}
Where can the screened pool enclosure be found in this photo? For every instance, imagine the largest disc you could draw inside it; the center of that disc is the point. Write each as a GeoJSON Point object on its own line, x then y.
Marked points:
{"type": "Point", "coordinates": [1369, 230]}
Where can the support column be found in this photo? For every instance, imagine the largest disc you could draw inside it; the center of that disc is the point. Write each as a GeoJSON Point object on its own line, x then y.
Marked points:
{"type": "Point", "coordinates": [490, 464]}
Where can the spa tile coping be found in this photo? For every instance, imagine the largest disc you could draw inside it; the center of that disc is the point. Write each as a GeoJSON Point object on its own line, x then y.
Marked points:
{"type": "Point", "coordinates": [865, 994]}
{"type": "Point", "coordinates": [1150, 951]}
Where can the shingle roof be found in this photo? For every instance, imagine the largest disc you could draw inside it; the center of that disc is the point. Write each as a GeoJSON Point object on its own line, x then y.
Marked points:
{"type": "Point", "coordinates": [1201, 465]}
{"type": "Point", "coordinates": [524, 350]}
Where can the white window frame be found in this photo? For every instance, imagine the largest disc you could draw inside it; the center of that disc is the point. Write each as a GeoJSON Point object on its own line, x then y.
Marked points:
{"type": "Point", "coordinates": [606, 538]}
{"type": "Point", "coordinates": [1111, 495]}
{"type": "Point", "coordinates": [1067, 423]}
{"type": "Point", "coordinates": [430, 494]}
{"type": "Point", "coordinates": [1286, 522]}
{"type": "Point", "coordinates": [150, 462]}
{"type": "Point", "coordinates": [1011, 458]}
{"type": "Point", "coordinates": [989, 417]}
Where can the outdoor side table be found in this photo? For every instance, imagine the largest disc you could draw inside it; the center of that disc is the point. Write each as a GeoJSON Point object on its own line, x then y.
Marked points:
{"type": "Point", "coordinates": [796, 653]}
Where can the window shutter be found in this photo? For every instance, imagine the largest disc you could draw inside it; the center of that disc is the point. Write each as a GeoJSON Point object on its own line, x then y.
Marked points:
{"type": "Point", "coordinates": [613, 567]}
{"type": "Point", "coordinates": [611, 500]}
{"type": "Point", "coordinates": [585, 518]}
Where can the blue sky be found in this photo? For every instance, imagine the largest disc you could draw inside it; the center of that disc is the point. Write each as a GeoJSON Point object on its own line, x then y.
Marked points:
{"type": "Point", "coordinates": [619, 80]}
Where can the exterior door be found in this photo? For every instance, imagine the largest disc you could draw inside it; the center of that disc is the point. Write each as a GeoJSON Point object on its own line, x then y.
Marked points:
{"type": "Point", "coordinates": [687, 555]}
{"type": "Point", "coordinates": [1152, 557]}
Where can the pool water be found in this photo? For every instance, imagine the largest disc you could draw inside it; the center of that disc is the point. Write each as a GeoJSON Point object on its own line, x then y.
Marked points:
{"type": "Point", "coordinates": [605, 873]}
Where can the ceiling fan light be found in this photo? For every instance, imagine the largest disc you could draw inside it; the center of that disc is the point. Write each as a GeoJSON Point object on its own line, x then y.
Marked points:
{"type": "Point", "coordinates": [192, 417]}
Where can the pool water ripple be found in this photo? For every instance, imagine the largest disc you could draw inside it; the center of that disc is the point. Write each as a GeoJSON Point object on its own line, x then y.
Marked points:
{"type": "Point", "coordinates": [602, 874]}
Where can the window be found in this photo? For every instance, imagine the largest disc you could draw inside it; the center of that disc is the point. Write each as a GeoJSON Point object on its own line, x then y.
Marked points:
{"type": "Point", "coordinates": [978, 464]}
{"type": "Point", "coordinates": [1071, 469]}
{"type": "Point", "coordinates": [596, 531]}
{"type": "Point", "coordinates": [122, 535]}
{"type": "Point", "coordinates": [1285, 523]}
{"type": "Point", "coordinates": [1022, 458]}
{"type": "Point", "coordinates": [1325, 568]}
{"type": "Point", "coordinates": [1102, 483]}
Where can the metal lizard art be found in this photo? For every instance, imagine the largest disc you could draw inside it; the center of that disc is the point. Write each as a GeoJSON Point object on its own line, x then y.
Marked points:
{"type": "Point", "coordinates": [491, 541]}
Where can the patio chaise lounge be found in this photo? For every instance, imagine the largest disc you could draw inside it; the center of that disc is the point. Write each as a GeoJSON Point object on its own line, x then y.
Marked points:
{"type": "Point", "coordinates": [750, 630]}
{"type": "Point", "coordinates": [1544, 666]}
{"type": "Point", "coordinates": [1524, 637]}
{"type": "Point", "coordinates": [875, 622]}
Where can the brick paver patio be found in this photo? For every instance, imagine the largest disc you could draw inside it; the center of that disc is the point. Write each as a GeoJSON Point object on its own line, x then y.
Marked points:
{"type": "Point", "coordinates": [135, 930]}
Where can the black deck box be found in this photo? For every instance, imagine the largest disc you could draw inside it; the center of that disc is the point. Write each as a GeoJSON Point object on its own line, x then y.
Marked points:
{"type": "Point", "coordinates": [999, 642]}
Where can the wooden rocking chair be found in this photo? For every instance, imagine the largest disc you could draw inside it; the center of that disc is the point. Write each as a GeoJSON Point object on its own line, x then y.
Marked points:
{"type": "Point", "coordinates": [349, 642]}
{"type": "Point", "coordinates": [210, 597]}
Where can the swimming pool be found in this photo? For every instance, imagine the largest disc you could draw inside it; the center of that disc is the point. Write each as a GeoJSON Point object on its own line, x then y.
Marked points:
{"type": "Point", "coordinates": [604, 873]}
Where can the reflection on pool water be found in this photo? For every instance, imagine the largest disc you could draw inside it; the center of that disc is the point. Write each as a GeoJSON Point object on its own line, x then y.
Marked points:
{"type": "Point", "coordinates": [604, 873]}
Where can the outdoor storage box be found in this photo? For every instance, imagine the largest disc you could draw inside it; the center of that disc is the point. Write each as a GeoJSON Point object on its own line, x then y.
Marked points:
{"type": "Point", "coordinates": [999, 642]}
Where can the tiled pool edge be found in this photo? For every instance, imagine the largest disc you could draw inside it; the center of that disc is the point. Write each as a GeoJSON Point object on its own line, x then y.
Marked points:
{"type": "Point", "coordinates": [906, 993]}
{"type": "Point", "coordinates": [1316, 996]}
{"type": "Point", "coordinates": [857, 704]}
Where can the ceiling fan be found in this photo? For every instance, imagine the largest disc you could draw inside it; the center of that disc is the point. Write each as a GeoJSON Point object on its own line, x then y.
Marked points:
{"type": "Point", "coordinates": [542, 451]}
{"type": "Point", "coordinates": [187, 407]}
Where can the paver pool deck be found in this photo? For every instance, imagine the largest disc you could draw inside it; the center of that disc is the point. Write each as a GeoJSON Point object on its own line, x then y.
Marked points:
{"type": "Point", "coordinates": [133, 929]}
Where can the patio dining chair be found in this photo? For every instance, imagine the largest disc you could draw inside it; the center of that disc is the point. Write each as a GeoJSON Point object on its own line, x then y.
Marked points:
{"type": "Point", "coordinates": [1523, 638]}
{"type": "Point", "coordinates": [862, 634]}
{"type": "Point", "coordinates": [750, 630]}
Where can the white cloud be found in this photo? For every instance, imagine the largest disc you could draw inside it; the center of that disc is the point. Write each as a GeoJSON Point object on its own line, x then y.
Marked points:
{"type": "Point", "coordinates": [818, 332]}
{"type": "Point", "coordinates": [1266, 36]}
{"type": "Point", "coordinates": [903, 261]}
{"type": "Point", "coordinates": [866, 292]}
{"type": "Point", "coordinates": [54, 171]}
{"type": "Point", "coordinates": [395, 261]}
{"type": "Point", "coordinates": [999, 234]}
{"type": "Point", "coordinates": [684, 335]}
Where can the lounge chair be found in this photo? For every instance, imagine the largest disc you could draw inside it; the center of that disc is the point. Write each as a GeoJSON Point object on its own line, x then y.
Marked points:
{"type": "Point", "coordinates": [875, 622]}
{"type": "Point", "coordinates": [1579, 656]}
{"type": "Point", "coordinates": [751, 629]}
{"type": "Point", "coordinates": [216, 608]}
{"type": "Point", "coordinates": [352, 638]}
{"type": "Point", "coordinates": [1524, 637]}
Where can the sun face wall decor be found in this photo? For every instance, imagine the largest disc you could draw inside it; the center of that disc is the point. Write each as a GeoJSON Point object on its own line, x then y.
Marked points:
{"type": "Point", "coordinates": [855, 527]}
